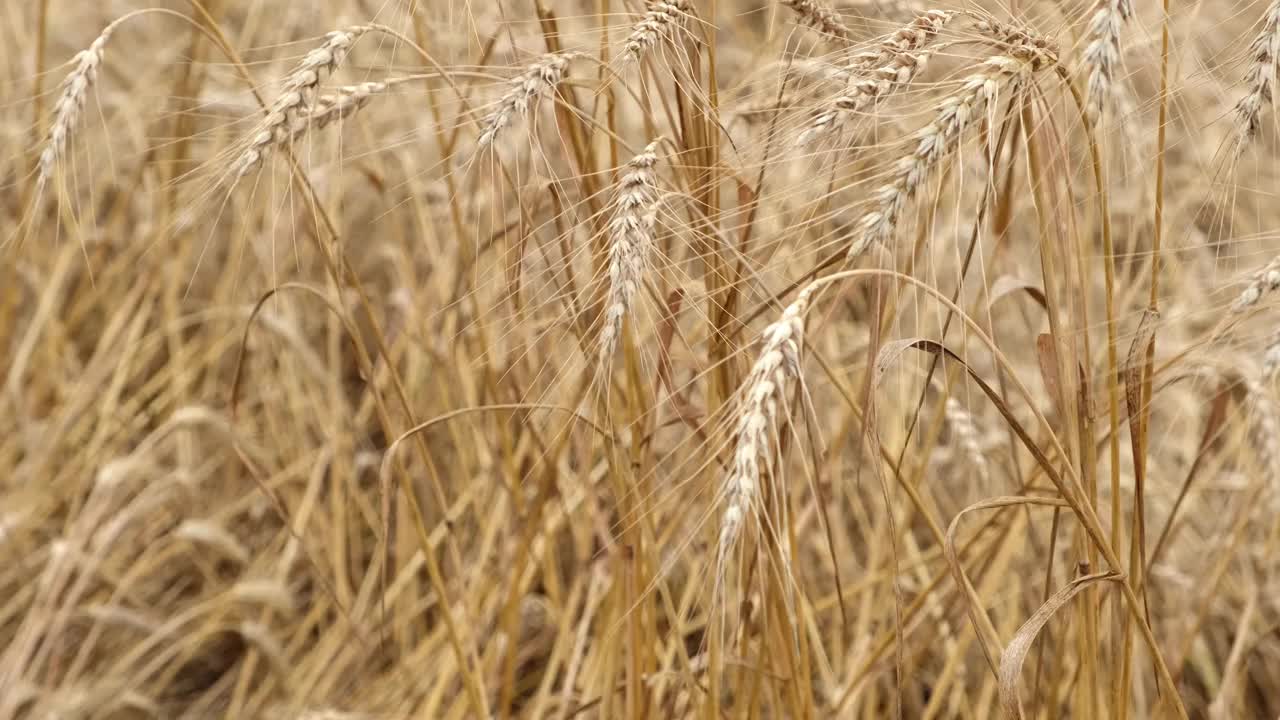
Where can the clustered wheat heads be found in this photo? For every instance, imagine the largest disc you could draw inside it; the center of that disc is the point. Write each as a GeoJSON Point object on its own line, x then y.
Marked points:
{"type": "Point", "coordinates": [1260, 79]}
{"type": "Point", "coordinates": [756, 432]}
{"type": "Point", "coordinates": [821, 18]}
{"type": "Point", "coordinates": [630, 241]}
{"type": "Point", "coordinates": [539, 78]}
{"type": "Point", "coordinates": [1102, 54]}
{"type": "Point", "coordinates": [662, 19]}
{"type": "Point", "coordinates": [66, 111]}
{"type": "Point", "coordinates": [976, 95]}
{"type": "Point", "coordinates": [874, 74]}
{"type": "Point", "coordinates": [297, 96]}
{"type": "Point", "coordinates": [1264, 281]}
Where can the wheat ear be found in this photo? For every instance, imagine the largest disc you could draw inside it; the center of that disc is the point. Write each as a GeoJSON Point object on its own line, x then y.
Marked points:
{"type": "Point", "coordinates": [1261, 77]}
{"type": "Point", "coordinates": [297, 96]}
{"type": "Point", "coordinates": [660, 20]}
{"type": "Point", "coordinates": [539, 78]}
{"type": "Point", "coordinates": [1102, 54]}
{"type": "Point", "coordinates": [66, 111]}
{"type": "Point", "coordinates": [630, 241]}
{"type": "Point", "coordinates": [1264, 428]}
{"type": "Point", "coordinates": [1264, 281]}
{"type": "Point", "coordinates": [758, 415]}
{"type": "Point", "coordinates": [875, 74]}
{"type": "Point", "coordinates": [821, 18]}
{"type": "Point", "coordinates": [976, 95]}
{"type": "Point", "coordinates": [965, 430]}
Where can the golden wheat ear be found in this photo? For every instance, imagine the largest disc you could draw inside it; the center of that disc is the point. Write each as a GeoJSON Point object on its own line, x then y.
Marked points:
{"type": "Point", "coordinates": [70, 103]}
{"type": "Point", "coordinates": [1260, 79]}
{"type": "Point", "coordinates": [663, 20]}
{"type": "Point", "coordinates": [539, 78]}
{"type": "Point", "coordinates": [878, 73]}
{"type": "Point", "coordinates": [1103, 53]}
{"type": "Point", "coordinates": [298, 96]}
{"type": "Point", "coordinates": [630, 242]}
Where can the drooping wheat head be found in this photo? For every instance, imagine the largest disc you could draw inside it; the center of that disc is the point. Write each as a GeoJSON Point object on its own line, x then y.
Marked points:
{"type": "Point", "coordinates": [1260, 79]}
{"type": "Point", "coordinates": [976, 96]}
{"type": "Point", "coordinates": [1103, 53]}
{"type": "Point", "coordinates": [663, 19]}
{"type": "Point", "coordinates": [821, 18]}
{"type": "Point", "coordinates": [762, 408]}
{"type": "Point", "coordinates": [300, 91]}
{"type": "Point", "coordinates": [539, 78]}
{"type": "Point", "coordinates": [631, 227]}
{"type": "Point", "coordinates": [875, 74]}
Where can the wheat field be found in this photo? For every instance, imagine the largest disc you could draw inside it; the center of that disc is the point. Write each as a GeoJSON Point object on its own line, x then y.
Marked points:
{"type": "Point", "coordinates": [619, 359]}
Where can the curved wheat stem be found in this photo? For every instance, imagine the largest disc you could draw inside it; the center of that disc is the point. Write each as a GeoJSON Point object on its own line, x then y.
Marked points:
{"type": "Point", "coordinates": [1261, 77]}
{"type": "Point", "coordinates": [875, 74]}
{"type": "Point", "coordinates": [630, 241]}
{"type": "Point", "coordinates": [758, 415]}
{"type": "Point", "coordinates": [976, 95]}
{"type": "Point", "coordinates": [539, 78]}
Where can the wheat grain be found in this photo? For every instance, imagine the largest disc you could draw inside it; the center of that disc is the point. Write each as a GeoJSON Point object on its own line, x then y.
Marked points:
{"type": "Point", "coordinates": [630, 241]}
{"type": "Point", "coordinates": [875, 74]}
{"type": "Point", "coordinates": [821, 18]}
{"type": "Point", "coordinates": [978, 92]}
{"type": "Point", "coordinates": [298, 95]}
{"type": "Point", "coordinates": [540, 77]}
{"type": "Point", "coordinates": [1264, 281]}
{"type": "Point", "coordinates": [764, 391]}
{"type": "Point", "coordinates": [1271, 358]}
{"type": "Point", "coordinates": [66, 111]}
{"type": "Point", "coordinates": [661, 20]}
{"type": "Point", "coordinates": [1261, 77]}
{"type": "Point", "coordinates": [1102, 54]}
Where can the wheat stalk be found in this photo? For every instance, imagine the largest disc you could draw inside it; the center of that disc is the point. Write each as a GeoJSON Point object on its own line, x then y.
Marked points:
{"type": "Point", "coordinates": [1102, 54]}
{"type": "Point", "coordinates": [70, 103]}
{"type": "Point", "coordinates": [875, 74]}
{"type": "Point", "coordinates": [757, 425]}
{"type": "Point", "coordinates": [1261, 77]}
{"type": "Point", "coordinates": [297, 96]}
{"type": "Point", "coordinates": [977, 93]}
{"type": "Point", "coordinates": [630, 241]}
{"type": "Point", "coordinates": [540, 77]}
{"type": "Point", "coordinates": [821, 18]}
{"type": "Point", "coordinates": [661, 19]}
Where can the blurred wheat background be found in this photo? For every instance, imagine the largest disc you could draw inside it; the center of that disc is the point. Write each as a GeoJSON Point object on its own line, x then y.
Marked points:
{"type": "Point", "coordinates": [619, 359]}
